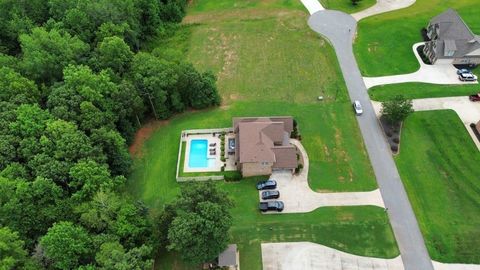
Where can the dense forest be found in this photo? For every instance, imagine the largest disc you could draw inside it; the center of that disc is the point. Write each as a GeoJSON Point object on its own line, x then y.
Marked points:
{"type": "Point", "coordinates": [75, 85]}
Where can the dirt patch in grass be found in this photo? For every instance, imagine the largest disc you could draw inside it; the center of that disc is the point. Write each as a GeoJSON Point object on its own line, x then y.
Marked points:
{"type": "Point", "coordinates": [143, 134]}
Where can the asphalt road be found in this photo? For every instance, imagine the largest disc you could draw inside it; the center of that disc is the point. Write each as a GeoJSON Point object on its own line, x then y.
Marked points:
{"type": "Point", "coordinates": [339, 29]}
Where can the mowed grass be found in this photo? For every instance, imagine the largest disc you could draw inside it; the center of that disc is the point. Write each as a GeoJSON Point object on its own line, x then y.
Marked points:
{"type": "Point", "coordinates": [346, 5]}
{"type": "Point", "coordinates": [274, 58]}
{"type": "Point", "coordinates": [384, 42]}
{"type": "Point", "coordinates": [420, 90]}
{"type": "Point", "coordinates": [439, 165]}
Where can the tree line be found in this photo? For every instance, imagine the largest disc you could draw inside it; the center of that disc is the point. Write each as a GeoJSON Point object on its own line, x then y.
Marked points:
{"type": "Point", "coordinates": [74, 87]}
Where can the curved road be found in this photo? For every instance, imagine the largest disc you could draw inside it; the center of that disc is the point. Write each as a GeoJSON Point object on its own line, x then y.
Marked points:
{"type": "Point", "coordinates": [339, 29]}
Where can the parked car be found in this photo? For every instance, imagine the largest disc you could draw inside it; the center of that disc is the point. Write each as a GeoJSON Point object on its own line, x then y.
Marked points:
{"type": "Point", "coordinates": [467, 77]}
{"type": "Point", "coordinates": [271, 206]}
{"type": "Point", "coordinates": [267, 184]}
{"type": "Point", "coordinates": [271, 194]}
{"type": "Point", "coordinates": [357, 107]}
{"type": "Point", "coordinates": [475, 97]}
{"type": "Point", "coordinates": [463, 70]}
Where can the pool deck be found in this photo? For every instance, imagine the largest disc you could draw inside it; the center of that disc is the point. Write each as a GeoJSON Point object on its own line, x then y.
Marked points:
{"type": "Point", "coordinates": [217, 164]}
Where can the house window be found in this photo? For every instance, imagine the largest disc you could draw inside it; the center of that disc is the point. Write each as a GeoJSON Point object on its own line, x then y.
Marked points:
{"type": "Point", "coordinates": [264, 163]}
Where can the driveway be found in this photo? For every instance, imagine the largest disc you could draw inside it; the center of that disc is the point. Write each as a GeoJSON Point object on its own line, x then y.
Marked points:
{"type": "Point", "coordinates": [382, 6]}
{"type": "Point", "coordinates": [299, 198]}
{"type": "Point", "coordinates": [339, 29]}
{"type": "Point", "coordinates": [436, 74]}
{"type": "Point", "coordinates": [311, 256]}
{"type": "Point", "coordinates": [312, 5]}
{"type": "Point", "coordinates": [469, 112]}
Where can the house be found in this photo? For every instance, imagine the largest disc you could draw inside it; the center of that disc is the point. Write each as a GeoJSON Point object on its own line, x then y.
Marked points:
{"type": "Point", "coordinates": [263, 144]}
{"type": "Point", "coordinates": [451, 41]}
{"type": "Point", "coordinates": [229, 258]}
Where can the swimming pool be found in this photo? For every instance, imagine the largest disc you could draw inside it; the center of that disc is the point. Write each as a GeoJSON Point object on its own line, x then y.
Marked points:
{"type": "Point", "coordinates": [198, 154]}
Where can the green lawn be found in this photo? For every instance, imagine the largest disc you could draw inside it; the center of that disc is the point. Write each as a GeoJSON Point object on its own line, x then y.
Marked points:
{"type": "Point", "coordinates": [439, 165]}
{"type": "Point", "coordinates": [268, 62]}
{"type": "Point", "coordinates": [346, 5]}
{"type": "Point", "coordinates": [420, 90]}
{"type": "Point", "coordinates": [384, 42]}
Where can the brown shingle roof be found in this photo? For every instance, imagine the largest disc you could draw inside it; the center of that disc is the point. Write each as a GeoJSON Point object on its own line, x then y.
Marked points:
{"type": "Point", "coordinates": [255, 145]}
{"type": "Point", "coordinates": [258, 140]}
{"type": "Point", "coordinates": [286, 157]}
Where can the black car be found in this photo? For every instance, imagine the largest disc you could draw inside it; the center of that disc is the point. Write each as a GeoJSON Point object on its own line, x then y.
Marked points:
{"type": "Point", "coordinates": [271, 206]}
{"type": "Point", "coordinates": [267, 184]}
{"type": "Point", "coordinates": [271, 194]}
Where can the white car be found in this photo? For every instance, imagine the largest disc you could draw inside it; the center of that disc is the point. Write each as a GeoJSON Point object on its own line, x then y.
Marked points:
{"type": "Point", "coordinates": [357, 107]}
{"type": "Point", "coordinates": [467, 77]}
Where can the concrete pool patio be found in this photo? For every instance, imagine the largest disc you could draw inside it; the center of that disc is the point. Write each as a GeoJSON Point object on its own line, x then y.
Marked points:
{"type": "Point", "coordinates": [214, 163]}
{"type": "Point", "coordinates": [212, 170]}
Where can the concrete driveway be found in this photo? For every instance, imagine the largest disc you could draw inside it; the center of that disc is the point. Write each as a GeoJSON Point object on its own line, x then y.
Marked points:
{"type": "Point", "coordinates": [469, 112]}
{"type": "Point", "coordinates": [311, 256]}
{"type": "Point", "coordinates": [382, 6]}
{"type": "Point", "coordinates": [436, 74]}
{"type": "Point", "coordinates": [312, 5]}
{"type": "Point", "coordinates": [298, 197]}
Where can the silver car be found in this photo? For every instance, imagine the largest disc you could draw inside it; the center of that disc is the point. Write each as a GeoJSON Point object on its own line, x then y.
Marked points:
{"type": "Point", "coordinates": [357, 107]}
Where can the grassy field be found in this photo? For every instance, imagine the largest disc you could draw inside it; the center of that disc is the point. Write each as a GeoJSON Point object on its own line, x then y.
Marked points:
{"type": "Point", "coordinates": [384, 42]}
{"type": "Point", "coordinates": [439, 165]}
{"type": "Point", "coordinates": [268, 62]}
{"type": "Point", "coordinates": [420, 90]}
{"type": "Point", "coordinates": [346, 5]}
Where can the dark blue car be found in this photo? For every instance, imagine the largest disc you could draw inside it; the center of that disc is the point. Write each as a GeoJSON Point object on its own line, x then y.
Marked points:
{"type": "Point", "coordinates": [271, 206]}
{"type": "Point", "coordinates": [270, 194]}
{"type": "Point", "coordinates": [267, 184]}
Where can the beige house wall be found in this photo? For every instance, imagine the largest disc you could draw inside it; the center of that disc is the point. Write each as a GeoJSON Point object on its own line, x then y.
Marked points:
{"type": "Point", "coordinates": [252, 169]}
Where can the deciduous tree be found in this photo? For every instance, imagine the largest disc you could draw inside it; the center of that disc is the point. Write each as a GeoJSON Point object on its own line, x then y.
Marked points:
{"type": "Point", "coordinates": [397, 109]}
{"type": "Point", "coordinates": [46, 53]}
{"type": "Point", "coordinates": [67, 245]}
{"type": "Point", "coordinates": [114, 53]}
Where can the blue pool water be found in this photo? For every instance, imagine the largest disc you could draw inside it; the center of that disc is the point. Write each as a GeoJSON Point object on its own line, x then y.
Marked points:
{"type": "Point", "coordinates": [198, 154]}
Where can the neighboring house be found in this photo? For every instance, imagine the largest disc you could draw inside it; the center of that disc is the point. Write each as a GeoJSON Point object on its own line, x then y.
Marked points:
{"type": "Point", "coordinates": [263, 145]}
{"type": "Point", "coordinates": [451, 40]}
{"type": "Point", "coordinates": [229, 258]}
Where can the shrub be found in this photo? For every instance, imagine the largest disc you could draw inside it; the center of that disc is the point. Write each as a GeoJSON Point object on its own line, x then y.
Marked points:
{"type": "Point", "coordinates": [394, 148]}
{"type": "Point", "coordinates": [389, 133]}
{"type": "Point", "coordinates": [231, 176]}
{"type": "Point", "coordinates": [396, 140]}
{"type": "Point", "coordinates": [299, 168]}
{"type": "Point", "coordinates": [423, 32]}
